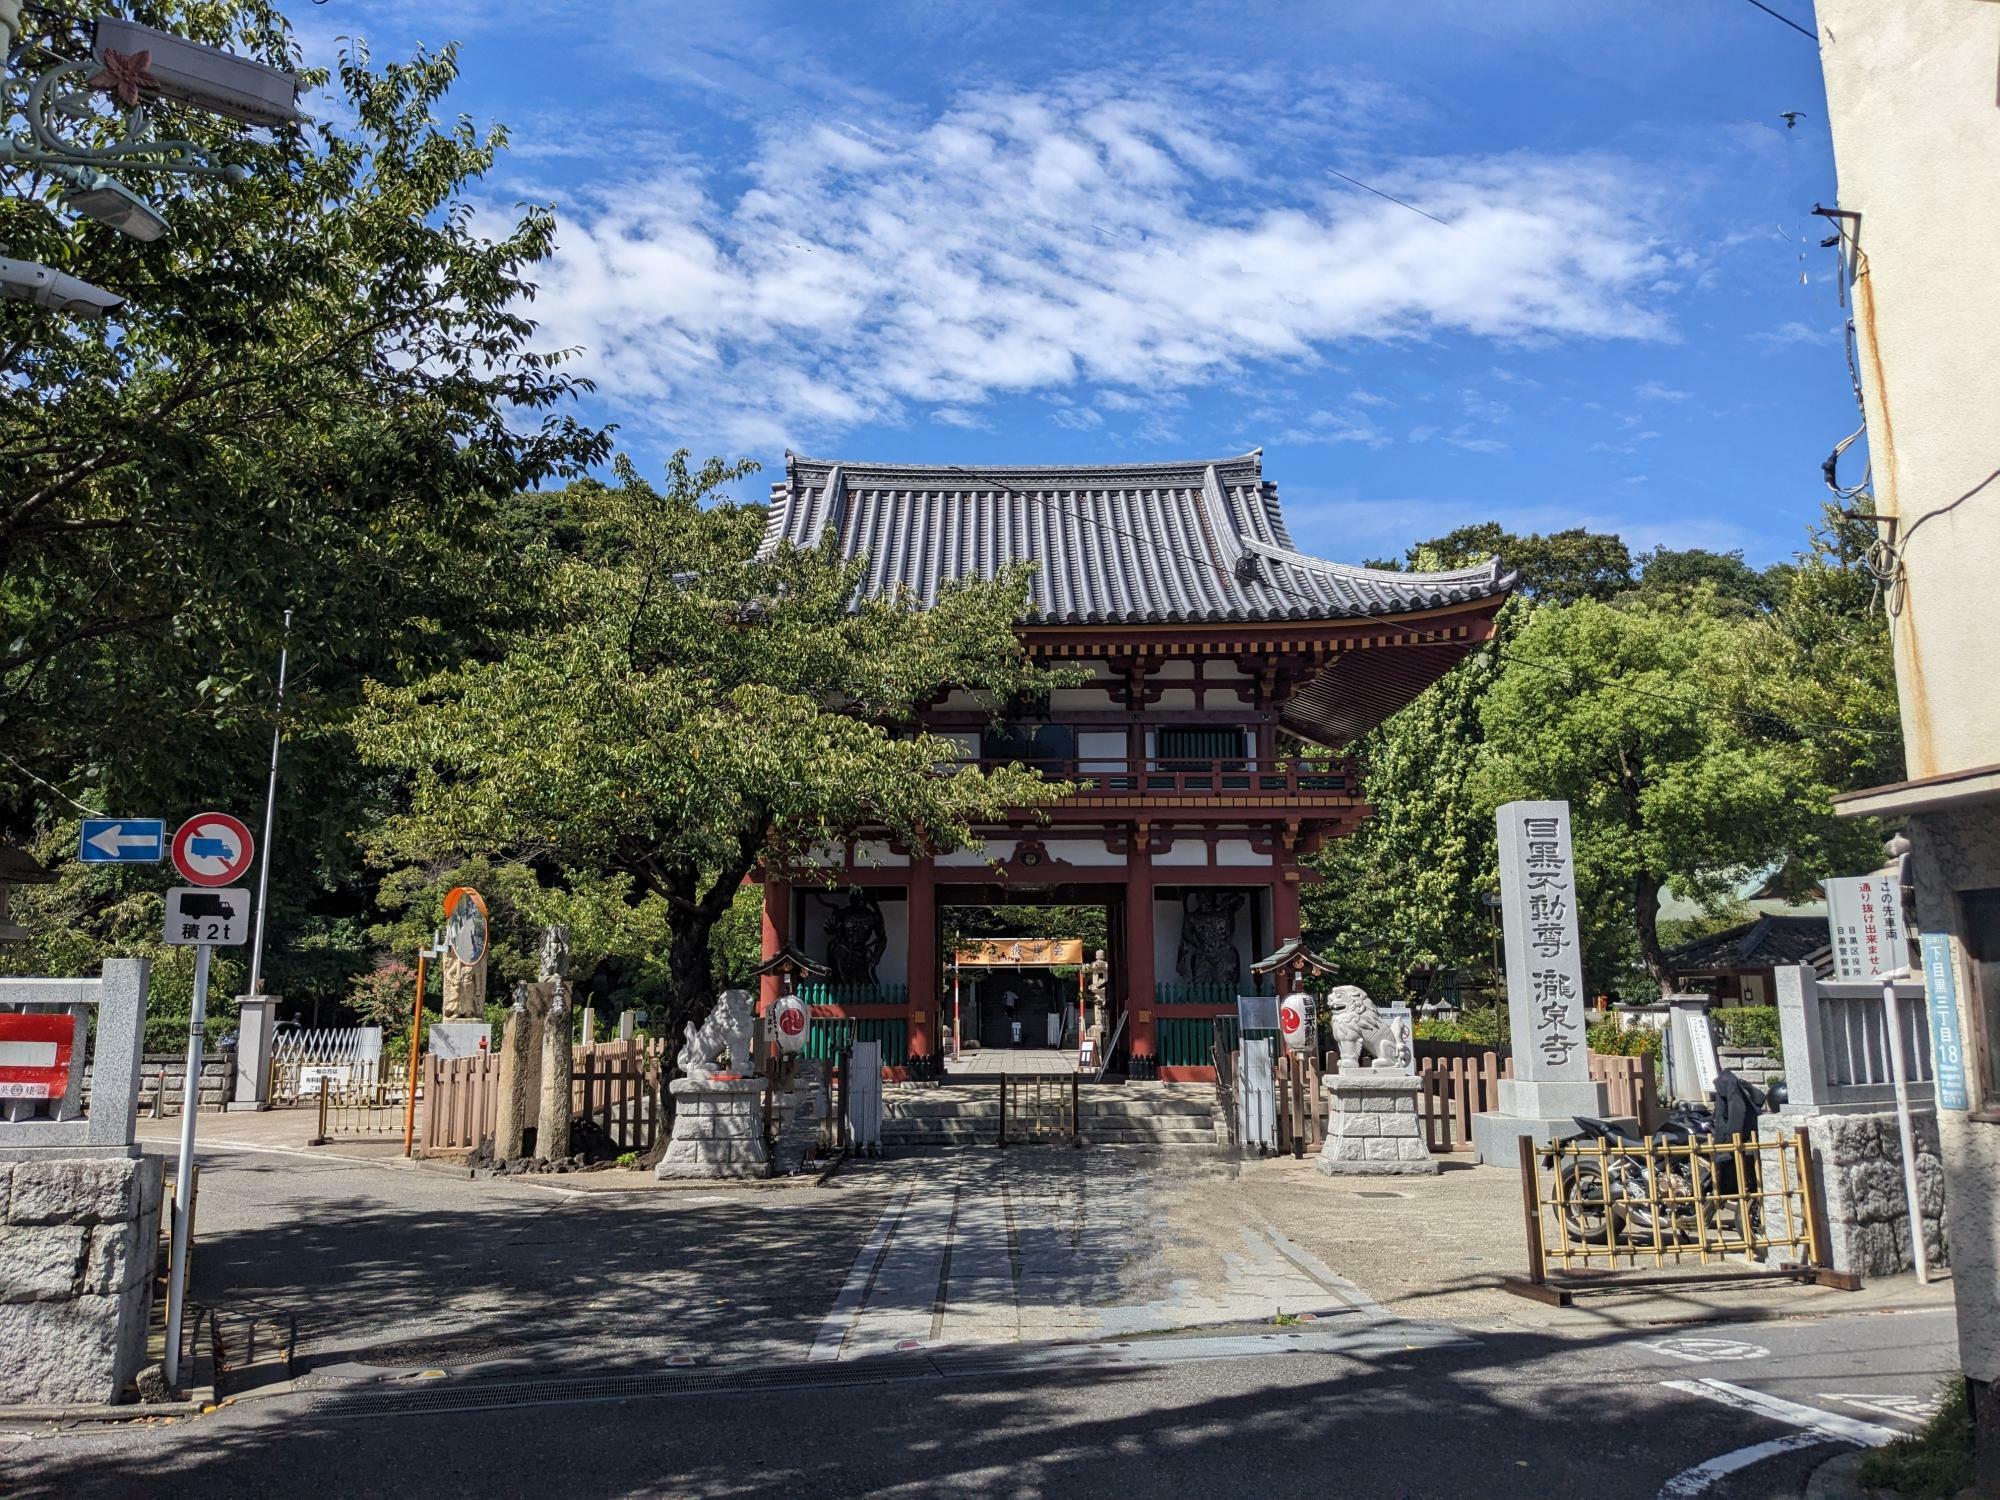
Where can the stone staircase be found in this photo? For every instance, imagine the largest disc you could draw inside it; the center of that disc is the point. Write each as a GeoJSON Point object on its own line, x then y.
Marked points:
{"type": "Point", "coordinates": [1133, 1114]}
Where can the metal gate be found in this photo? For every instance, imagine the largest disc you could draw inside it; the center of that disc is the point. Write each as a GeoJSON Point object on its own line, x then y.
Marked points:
{"type": "Point", "coordinates": [1039, 1108]}
{"type": "Point", "coordinates": [1615, 1215]}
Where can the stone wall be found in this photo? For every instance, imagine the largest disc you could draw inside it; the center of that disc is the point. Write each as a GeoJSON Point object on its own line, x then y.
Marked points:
{"type": "Point", "coordinates": [1860, 1160]}
{"type": "Point", "coordinates": [218, 1080]}
{"type": "Point", "coordinates": [77, 1242]}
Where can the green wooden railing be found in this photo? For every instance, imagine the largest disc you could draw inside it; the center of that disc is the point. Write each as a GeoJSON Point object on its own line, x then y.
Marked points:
{"type": "Point", "coordinates": [832, 1035]}
{"type": "Point", "coordinates": [854, 994]}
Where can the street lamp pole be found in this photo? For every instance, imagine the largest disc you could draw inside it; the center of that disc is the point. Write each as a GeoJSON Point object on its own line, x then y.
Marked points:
{"type": "Point", "coordinates": [270, 809]}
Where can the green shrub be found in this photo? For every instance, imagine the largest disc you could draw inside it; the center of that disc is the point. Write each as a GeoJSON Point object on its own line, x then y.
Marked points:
{"type": "Point", "coordinates": [1936, 1463]}
{"type": "Point", "coordinates": [170, 1033]}
{"type": "Point", "coordinates": [1437, 1029]}
{"type": "Point", "coordinates": [1749, 1025]}
{"type": "Point", "coordinates": [1609, 1039]}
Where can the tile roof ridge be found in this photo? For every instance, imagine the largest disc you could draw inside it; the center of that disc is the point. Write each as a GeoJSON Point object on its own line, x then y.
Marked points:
{"type": "Point", "coordinates": [1487, 572]}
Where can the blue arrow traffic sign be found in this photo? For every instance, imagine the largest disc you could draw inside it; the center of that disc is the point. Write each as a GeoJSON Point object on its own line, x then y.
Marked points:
{"type": "Point", "coordinates": [123, 841]}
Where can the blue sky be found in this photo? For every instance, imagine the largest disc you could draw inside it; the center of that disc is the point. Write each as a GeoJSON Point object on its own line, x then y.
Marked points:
{"type": "Point", "coordinates": [1010, 232]}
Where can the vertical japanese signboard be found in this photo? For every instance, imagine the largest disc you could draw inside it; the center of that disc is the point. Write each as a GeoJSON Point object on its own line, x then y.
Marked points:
{"type": "Point", "coordinates": [1544, 956]}
{"type": "Point", "coordinates": [1947, 1044]}
{"type": "Point", "coordinates": [1864, 917]}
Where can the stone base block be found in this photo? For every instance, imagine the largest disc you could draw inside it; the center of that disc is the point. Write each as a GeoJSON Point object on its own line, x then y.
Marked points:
{"type": "Point", "coordinates": [1496, 1136]}
{"type": "Point", "coordinates": [1537, 1100]}
{"type": "Point", "coordinates": [1373, 1129]}
{"type": "Point", "coordinates": [718, 1130]}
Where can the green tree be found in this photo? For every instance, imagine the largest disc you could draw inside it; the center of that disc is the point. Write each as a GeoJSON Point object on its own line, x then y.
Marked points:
{"type": "Point", "coordinates": [1617, 711]}
{"type": "Point", "coordinates": [686, 708]}
{"type": "Point", "coordinates": [1665, 571]}
{"type": "Point", "coordinates": [320, 388]}
{"type": "Point", "coordinates": [1560, 568]}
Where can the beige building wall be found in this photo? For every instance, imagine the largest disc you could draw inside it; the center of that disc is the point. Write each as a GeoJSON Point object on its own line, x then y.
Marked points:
{"type": "Point", "coordinates": [1911, 97]}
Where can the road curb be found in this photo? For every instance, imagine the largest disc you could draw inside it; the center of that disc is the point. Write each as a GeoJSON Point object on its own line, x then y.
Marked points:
{"type": "Point", "coordinates": [1839, 1478]}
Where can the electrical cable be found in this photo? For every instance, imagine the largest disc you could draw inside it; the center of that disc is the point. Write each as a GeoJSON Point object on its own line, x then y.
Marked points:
{"type": "Point", "coordinates": [1507, 653]}
{"type": "Point", "coordinates": [1780, 15]}
{"type": "Point", "coordinates": [1392, 198]}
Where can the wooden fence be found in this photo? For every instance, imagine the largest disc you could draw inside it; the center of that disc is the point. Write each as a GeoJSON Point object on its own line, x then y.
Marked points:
{"type": "Point", "coordinates": [613, 1085]}
{"type": "Point", "coordinates": [616, 1089]}
{"type": "Point", "coordinates": [1467, 1083]}
{"type": "Point", "coordinates": [461, 1102]}
{"type": "Point", "coordinates": [1304, 1108]}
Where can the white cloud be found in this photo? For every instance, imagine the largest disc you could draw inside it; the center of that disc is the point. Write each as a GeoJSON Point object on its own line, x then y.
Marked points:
{"type": "Point", "coordinates": [1653, 390]}
{"type": "Point", "coordinates": [1369, 398]}
{"type": "Point", "coordinates": [1786, 334]}
{"type": "Point", "coordinates": [947, 262]}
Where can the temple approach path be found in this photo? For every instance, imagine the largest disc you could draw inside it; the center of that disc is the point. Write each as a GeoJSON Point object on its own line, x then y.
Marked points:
{"type": "Point", "coordinates": [1042, 1321]}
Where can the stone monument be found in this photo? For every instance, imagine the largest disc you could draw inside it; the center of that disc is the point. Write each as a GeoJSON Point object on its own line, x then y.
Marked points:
{"type": "Point", "coordinates": [522, 1054]}
{"type": "Point", "coordinates": [1538, 911]}
{"type": "Point", "coordinates": [552, 1123]}
{"type": "Point", "coordinates": [1373, 1128]}
{"type": "Point", "coordinates": [719, 1098]}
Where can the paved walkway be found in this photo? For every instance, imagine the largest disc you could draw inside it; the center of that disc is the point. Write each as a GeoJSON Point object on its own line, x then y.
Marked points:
{"type": "Point", "coordinates": [993, 1060]}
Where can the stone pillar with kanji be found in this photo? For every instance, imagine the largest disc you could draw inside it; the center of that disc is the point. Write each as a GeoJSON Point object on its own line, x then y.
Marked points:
{"type": "Point", "coordinates": [1545, 999]}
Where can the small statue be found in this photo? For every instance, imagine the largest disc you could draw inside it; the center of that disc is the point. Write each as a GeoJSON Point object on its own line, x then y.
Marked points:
{"type": "Point", "coordinates": [855, 939]}
{"type": "Point", "coordinates": [1359, 1028]}
{"type": "Point", "coordinates": [1207, 953]}
{"type": "Point", "coordinates": [726, 1033]}
{"type": "Point", "coordinates": [1097, 979]}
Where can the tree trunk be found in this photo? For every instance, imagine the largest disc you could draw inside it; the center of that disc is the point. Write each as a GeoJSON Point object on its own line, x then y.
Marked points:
{"type": "Point", "coordinates": [692, 972]}
{"type": "Point", "coordinates": [1646, 917]}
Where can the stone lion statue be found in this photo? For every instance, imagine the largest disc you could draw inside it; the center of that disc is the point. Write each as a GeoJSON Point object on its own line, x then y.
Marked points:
{"type": "Point", "coordinates": [728, 1031]}
{"type": "Point", "coordinates": [1358, 1028]}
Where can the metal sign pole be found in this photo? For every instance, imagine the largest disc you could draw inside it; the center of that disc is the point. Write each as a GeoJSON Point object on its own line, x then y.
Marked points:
{"type": "Point", "coordinates": [1892, 1018]}
{"type": "Point", "coordinates": [270, 807]}
{"type": "Point", "coordinates": [184, 1171]}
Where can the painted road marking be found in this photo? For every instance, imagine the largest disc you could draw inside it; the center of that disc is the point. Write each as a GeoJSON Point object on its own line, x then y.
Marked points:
{"type": "Point", "coordinates": [1818, 1427]}
{"type": "Point", "coordinates": [1917, 1409]}
{"type": "Point", "coordinates": [1703, 1351]}
{"type": "Point", "coordinates": [839, 1321]}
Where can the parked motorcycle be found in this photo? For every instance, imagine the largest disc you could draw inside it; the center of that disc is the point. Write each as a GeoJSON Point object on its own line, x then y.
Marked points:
{"type": "Point", "coordinates": [1633, 1197]}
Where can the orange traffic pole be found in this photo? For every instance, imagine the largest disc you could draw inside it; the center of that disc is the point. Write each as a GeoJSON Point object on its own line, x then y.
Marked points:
{"type": "Point", "coordinates": [416, 1038]}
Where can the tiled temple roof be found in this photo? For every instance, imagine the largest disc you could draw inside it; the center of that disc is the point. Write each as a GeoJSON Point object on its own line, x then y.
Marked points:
{"type": "Point", "coordinates": [1196, 542]}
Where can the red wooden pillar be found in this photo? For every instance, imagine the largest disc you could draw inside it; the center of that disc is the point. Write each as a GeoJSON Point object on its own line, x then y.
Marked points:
{"type": "Point", "coordinates": [923, 957]}
{"type": "Point", "coordinates": [1285, 905]}
{"type": "Point", "coordinates": [1140, 1030]}
{"type": "Point", "coordinates": [777, 932]}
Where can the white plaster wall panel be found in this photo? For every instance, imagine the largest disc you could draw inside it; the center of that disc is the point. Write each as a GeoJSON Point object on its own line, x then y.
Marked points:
{"type": "Point", "coordinates": [1088, 700]}
{"type": "Point", "coordinates": [1084, 852]}
{"type": "Point", "coordinates": [1910, 99]}
{"type": "Point", "coordinates": [875, 854]}
{"type": "Point", "coordinates": [1172, 699]}
{"type": "Point", "coordinates": [1174, 671]}
{"type": "Point", "coordinates": [1185, 852]}
{"type": "Point", "coordinates": [1238, 852]}
{"type": "Point", "coordinates": [1101, 749]}
{"type": "Point", "coordinates": [996, 849]}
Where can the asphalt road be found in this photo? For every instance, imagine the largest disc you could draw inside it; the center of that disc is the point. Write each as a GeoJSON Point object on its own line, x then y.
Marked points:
{"type": "Point", "coordinates": [470, 1338]}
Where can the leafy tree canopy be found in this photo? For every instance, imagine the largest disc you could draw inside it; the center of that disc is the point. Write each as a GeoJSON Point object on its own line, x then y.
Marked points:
{"type": "Point", "coordinates": [684, 709]}
{"type": "Point", "coordinates": [321, 387]}
{"type": "Point", "coordinates": [1561, 567]}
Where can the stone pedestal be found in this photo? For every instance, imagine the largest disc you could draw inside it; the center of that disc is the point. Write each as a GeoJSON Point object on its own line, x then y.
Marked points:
{"type": "Point", "coordinates": [256, 1021]}
{"type": "Point", "coordinates": [1373, 1128]}
{"type": "Point", "coordinates": [77, 1236]}
{"type": "Point", "coordinates": [1543, 1112]}
{"type": "Point", "coordinates": [718, 1129]}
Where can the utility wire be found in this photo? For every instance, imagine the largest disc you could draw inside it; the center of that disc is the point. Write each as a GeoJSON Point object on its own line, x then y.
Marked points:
{"type": "Point", "coordinates": [1391, 197]}
{"type": "Point", "coordinates": [1780, 15]}
{"type": "Point", "coordinates": [1573, 673]}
